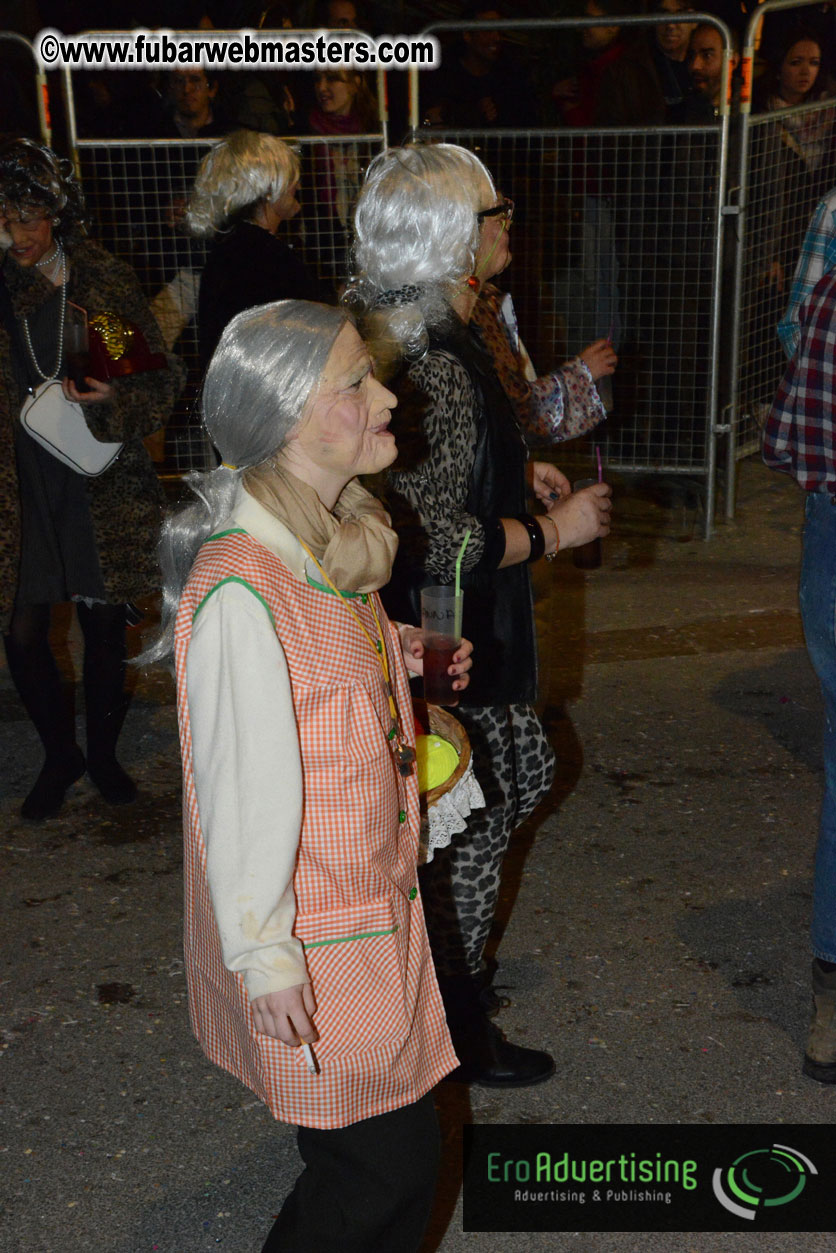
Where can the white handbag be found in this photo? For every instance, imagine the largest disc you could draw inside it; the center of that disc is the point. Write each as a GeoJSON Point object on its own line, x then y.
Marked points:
{"type": "Point", "coordinates": [58, 425]}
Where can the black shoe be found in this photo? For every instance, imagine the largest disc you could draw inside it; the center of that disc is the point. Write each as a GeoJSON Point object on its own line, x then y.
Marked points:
{"type": "Point", "coordinates": [116, 786]}
{"type": "Point", "coordinates": [490, 1061]}
{"type": "Point", "coordinates": [47, 796]}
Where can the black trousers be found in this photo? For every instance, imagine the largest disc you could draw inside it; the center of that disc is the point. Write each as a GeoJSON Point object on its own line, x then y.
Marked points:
{"type": "Point", "coordinates": [366, 1188]}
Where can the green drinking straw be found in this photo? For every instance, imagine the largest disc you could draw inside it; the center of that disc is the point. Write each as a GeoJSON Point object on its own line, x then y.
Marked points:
{"type": "Point", "coordinates": [459, 583]}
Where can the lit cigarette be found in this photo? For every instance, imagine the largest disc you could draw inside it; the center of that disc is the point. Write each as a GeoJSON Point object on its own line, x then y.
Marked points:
{"type": "Point", "coordinates": [313, 1065]}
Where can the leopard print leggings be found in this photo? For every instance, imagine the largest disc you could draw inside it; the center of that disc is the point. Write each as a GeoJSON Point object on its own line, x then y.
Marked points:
{"type": "Point", "coordinates": [514, 763]}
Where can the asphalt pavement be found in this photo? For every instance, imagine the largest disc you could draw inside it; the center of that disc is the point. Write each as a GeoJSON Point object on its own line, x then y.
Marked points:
{"type": "Point", "coordinates": [652, 932]}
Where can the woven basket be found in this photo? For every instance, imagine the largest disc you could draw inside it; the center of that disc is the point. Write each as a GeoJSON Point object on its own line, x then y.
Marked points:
{"type": "Point", "coordinates": [449, 728]}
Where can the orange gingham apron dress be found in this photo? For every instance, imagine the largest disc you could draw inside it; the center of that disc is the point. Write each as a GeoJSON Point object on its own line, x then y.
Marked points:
{"type": "Point", "coordinates": [383, 1035]}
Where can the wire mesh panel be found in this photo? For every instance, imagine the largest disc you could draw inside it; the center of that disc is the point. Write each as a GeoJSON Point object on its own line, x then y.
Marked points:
{"type": "Point", "coordinates": [615, 234]}
{"type": "Point", "coordinates": [137, 194]}
{"type": "Point", "coordinates": [790, 162]}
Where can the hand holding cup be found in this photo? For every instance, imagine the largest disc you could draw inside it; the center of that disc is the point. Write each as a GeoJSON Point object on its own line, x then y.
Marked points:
{"type": "Point", "coordinates": [441, 627]}
{"type": "Point", "coordinates": [585, 515]}
{"type": "Point", "coordinates": [412, 642]}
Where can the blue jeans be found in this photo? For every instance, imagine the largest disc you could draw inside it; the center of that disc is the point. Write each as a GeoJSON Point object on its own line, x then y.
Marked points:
{"type": "Point", "coordinates": [818, 612]}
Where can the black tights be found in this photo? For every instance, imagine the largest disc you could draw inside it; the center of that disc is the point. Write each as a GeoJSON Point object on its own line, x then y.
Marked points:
{"type": "Point", "coordinates": [38, 681]}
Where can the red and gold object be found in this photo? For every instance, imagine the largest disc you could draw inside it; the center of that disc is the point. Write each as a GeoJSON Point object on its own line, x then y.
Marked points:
{"type": "Point", "coordinates": [118, 348]}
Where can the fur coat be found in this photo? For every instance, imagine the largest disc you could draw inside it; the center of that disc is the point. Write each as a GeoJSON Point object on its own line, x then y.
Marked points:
{"type": "Point", "coordinates": [125, 501]}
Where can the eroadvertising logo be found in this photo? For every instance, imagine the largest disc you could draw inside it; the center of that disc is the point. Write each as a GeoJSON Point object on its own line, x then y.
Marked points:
{"type": "Point", "coordinates": [632, 1177]}
{"type": "Point", "coordinates": [762, 1178]}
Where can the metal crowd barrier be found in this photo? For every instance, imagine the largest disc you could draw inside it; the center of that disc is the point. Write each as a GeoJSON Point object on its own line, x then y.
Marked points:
{"type": "Point", "coordinates": [787, 162]}
{"type": "Point", "coordinates": [619, 232]}
{"type": "Point", "coordinates": [136, 193]}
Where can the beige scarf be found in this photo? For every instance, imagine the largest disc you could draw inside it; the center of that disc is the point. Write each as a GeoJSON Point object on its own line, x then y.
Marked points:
{"type": "Point", "coordinates": [355, 545]}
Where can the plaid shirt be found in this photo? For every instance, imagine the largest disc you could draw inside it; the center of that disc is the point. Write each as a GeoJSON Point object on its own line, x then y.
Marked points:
{"type": "Point", "coordinates": [818, 257]}
{"type": "Point", "coordinates": [799, 432]}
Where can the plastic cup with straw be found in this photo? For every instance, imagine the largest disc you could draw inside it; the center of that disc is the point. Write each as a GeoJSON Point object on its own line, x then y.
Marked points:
{"type": "Point", "coordinates": [458, 584]}
{"type": "Point", "coordinates": [441, 624]}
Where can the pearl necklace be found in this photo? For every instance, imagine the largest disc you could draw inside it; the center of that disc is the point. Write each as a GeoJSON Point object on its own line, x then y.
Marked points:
{"type": "Point", "coordinates": [56, 251]}
{"type": "Point", "coordinates": [50, 378]}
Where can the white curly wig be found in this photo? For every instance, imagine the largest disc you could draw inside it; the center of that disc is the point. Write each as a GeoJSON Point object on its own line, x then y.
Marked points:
{"type": "Point", "coordinates": [416, 239]}
{"type": "Point", "coordinates": [240, 173]}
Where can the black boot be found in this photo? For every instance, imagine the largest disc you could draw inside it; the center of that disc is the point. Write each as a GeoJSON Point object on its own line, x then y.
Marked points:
{"type": "Point", "coordinates": [491, 1000]}
{"type": "Point", "coordinates": [105, 698]}
{"type": "Point", "coordinates": [35, 675]}
{"type": "Point", "coordinates": [486, 1058]}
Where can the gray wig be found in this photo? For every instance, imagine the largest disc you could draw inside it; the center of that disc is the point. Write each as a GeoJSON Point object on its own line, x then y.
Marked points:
{"type": "Point", "coordinates": [416, 240]}
{"type": "Point", "coordinates": [240, 173]}
{"type": "Point", "coordinates": [258, 384]}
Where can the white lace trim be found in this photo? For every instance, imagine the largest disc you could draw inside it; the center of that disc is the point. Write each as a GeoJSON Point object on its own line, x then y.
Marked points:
{"type": "Point", "coordinates": [449, 815]}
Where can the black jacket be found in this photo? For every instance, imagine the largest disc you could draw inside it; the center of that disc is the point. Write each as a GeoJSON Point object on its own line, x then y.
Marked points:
{"type": "Point", "coordinates": [246, 267]}
{"type": "Point", "coordinates": [498, 604]}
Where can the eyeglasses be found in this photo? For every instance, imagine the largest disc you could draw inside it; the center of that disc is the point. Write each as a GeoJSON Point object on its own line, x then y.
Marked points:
{"type": "Point", "coordinates": [504, 210]}
{"type": "Point", "coordinates": [29, 221]}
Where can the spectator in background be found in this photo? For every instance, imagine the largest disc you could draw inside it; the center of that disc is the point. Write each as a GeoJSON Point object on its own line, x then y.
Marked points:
{"type": "Point", "coordinates": [681, 242]}
{"type": "Point", "coordinates": [267, 101]}
{"type": "Point", "coordinates": [669, 51]}
{"type": "Point", "coordinates": [245, 188]}
{"type": "Point", "coordinates": [339, 15]}
{"type": "Point", "coordinates": [156, 183]}
{"type": "Point", "coordinates": [705, 62]}
{"type": "Point", "coordinates": [796, 172]}
{"type": "Point", "coordinates": [344, 106]}
{"type": "Point", "coordinates": [478, 86]}
{"type": "Point", "coordinates": [818, 257]}
{"type": "Point", "coordinates": [617, 86]}
{"type": "Point", "coordinates": [103, 105]}
{"type": "Point", "coordinates": [191, 109]}
{"type": "Point", "coordinates": [793, 75]}
{"type": "Point", "coordinates": [818, 19]}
